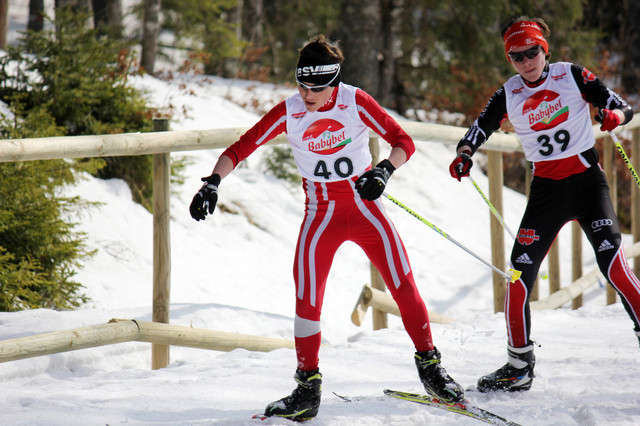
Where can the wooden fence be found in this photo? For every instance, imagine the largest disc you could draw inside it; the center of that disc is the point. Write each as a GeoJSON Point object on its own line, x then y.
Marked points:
{"type": "Point", "coordinates": [160, 143]}
{"type": "Point", "coordinates": [120, 330]}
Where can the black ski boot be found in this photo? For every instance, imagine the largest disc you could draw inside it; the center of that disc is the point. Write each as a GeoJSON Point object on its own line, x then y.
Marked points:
{"type": "Point", "coordinates": [515, 375]}
{"type": "Point", "coordinates": [435, 379]}
{"type": "Point", "coordinates": [303, 402]}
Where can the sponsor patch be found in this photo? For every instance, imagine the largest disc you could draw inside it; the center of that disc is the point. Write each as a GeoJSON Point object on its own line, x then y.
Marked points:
{"type": "Point", "coordinates": [524, 258]}
{"type": "Point", "coordinates": [605, 245]}
{"type": "Point", "coordinates": [527, 236]}
{"type": "Point", "coordinates": [544, 110]}
{"type": "Point", "coordinates": [587, 76]}
{"type": "Point", "coordinates": [596, 225]}
{"type": "Point", "coordinates": [326, 136]}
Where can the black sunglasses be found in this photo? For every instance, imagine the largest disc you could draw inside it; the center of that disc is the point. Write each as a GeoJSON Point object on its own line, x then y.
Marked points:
{"type": "Point", "coordinates": [529, 53]}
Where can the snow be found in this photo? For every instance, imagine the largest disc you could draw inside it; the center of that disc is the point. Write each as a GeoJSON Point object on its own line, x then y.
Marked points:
{"type": "Point", "coordinates": [232, 273]}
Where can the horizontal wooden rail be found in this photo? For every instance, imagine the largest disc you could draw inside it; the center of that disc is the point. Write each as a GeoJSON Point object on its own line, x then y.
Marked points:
{"type": "Point", "coordinates": [191, 140]}
{"type": "Point", "coordinates": [116, 145]}
{"type": "Point", "coordinates": [382, 301]}
{"type": "Point", "coordinates": [121, 330]}
{"type": "Point", "coordinates": [566, 294]}
{"type": "Point", "coordinates": [167, 334]}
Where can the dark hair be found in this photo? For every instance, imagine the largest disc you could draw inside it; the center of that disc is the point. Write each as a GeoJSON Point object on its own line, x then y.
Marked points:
{"type": "Point", "coordinates": [321, 51]}
{"type": "Point", "coordinates": [543, 25]}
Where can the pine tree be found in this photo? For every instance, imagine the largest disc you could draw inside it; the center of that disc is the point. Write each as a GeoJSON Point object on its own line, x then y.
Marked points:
{"type": "Point", "coordinates": [64, 80]}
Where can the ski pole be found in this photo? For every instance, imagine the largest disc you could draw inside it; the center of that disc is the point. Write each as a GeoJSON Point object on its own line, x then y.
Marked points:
{"type": "Point", "coordinates": [625, 158]}
{"type": "Point", "coordinates": [493, 209]}
{"type": "Point", "coordinates": [513, 274]}
{"type": "Point", "coordinates": [495, 212]}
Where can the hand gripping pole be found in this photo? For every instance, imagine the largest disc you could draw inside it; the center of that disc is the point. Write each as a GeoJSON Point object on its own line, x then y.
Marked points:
{"type": "Point", "coordinates": [512, 274]}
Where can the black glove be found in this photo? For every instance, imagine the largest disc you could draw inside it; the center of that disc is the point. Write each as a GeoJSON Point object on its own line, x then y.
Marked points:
{"type": "Point", "coordinates": [461, 165]}
{"type": "Point", "coordinates": [205, 200]}
{"type": "Point", "coordinates": [371, 184]}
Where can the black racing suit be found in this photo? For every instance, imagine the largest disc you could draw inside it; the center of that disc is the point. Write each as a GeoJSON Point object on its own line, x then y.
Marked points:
{"type": "Point", "coordinates": [564, 187]}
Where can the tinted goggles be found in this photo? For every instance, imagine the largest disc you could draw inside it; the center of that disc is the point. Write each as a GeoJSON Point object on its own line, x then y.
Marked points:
{"type": "Point", "coordinates": [316, 89]}
{"type": "Point", "coordinates": [529, 53]}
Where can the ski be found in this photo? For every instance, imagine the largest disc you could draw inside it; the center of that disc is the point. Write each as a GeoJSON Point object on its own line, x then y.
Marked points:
{"type": "Point", "coordinates": [271, 420]}
{"type": "Point", "coordinates": [276, 420]}
{"type": "Point", "coordinates": [464, 408]}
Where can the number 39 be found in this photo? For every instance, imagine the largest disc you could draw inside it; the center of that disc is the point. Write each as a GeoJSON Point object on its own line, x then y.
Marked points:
{"type": "Point", "coordinates": [562, 138]}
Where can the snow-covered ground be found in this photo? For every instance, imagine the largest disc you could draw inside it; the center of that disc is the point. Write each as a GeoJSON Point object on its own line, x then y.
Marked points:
{"type": "Point", "coordinates": [232, 273]}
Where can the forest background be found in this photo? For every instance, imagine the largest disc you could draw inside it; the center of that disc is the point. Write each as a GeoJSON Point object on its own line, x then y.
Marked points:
{"type": "Point", "coordinates": [428, 60]}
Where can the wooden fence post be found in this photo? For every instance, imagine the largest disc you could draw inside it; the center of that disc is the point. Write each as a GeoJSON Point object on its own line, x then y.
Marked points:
{"type": "Point", "coordinates": [380, 319]}
{"type": "Point", "coordinates": [576, 259]}
{"type": "Point", "coordinates": [553, 259]}
{"type": "Point", "coordinates": [496, 182]}
{"type": "Point", "coordinates": [161, 246]}
{"type": "Point", "coordinates": [535, 292]}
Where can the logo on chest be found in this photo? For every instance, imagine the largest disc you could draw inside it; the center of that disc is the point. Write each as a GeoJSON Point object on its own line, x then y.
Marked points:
{"type": "Point", "coordinates": [544, 110]}
{"type": "Point", "coordinates": [325, 136]}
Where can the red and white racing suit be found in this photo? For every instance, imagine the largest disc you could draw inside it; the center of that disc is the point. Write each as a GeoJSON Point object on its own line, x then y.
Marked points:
{"type": "Point", "coordinates": [331, 149]}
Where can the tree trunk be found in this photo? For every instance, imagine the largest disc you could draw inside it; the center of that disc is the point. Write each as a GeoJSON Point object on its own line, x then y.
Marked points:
{"type": "Point", "coordinates": [75, 6]}
{"type": "Point", "coordinates": [362, 44]}
{"type": "Point", "coordinates": [107, 17]}
{"type": "Point", "coordinates": [4, 22]}
{"type": "Point", "coordinates": [150, 33]}
{"type": "Point", "coordinates": [252, 25]}
{"type": "Point", "coordinates": [630, 50]}
{"type": "Point", "coordinates": [392, 11]}
{"type": "Point", "coordinates": [36, 15]}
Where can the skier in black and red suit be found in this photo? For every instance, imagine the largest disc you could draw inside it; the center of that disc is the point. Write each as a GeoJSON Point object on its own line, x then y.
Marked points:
{"type": "Point", "coordinates": [548, 106]}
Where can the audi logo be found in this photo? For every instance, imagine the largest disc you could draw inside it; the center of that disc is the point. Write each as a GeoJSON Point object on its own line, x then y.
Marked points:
{"type": "Point", "coordinates": [600, 223]}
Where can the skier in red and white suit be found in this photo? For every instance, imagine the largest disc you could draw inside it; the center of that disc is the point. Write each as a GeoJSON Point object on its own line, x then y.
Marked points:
{"type": "Point", "coordinates": [548, 106]}
{"type": "Point", "coordinates": [327, 124]}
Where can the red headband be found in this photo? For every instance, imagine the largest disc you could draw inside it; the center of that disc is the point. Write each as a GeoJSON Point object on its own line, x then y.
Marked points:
{"type": "Point", "coordinates": [524, 34]}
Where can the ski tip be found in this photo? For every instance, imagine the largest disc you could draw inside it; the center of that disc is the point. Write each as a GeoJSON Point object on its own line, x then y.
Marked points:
{"type": "Point", "coordinates": [345, 398]}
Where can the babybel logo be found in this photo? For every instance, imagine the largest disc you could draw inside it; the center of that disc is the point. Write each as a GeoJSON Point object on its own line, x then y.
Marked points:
{"type": "Point", "coordinates": [544, 110]}
{"type": "Point", "coordinates": [325, 137]}
{"type": "Point", "coordinates": [527, 236]}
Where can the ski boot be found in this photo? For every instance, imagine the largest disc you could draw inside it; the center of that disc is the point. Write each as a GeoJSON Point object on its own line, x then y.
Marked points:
{"type": "Point", "coordinates": [515, 375]}
{"type": "Point", "coordinates": [435, 379]}
{"type": "Point", "coordinates": [303, 402]}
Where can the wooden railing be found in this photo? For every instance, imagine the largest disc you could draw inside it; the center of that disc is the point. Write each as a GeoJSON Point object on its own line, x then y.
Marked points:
{"type": "Point", "coordinates": [161, 143]}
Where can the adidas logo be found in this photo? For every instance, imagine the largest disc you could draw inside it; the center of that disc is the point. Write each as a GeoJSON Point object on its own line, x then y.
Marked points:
{"type": "Point", "coordinates": [606, 245]}
{"type": "Point", "coordinates": [524, 258]}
